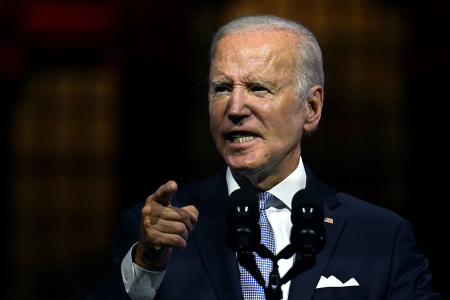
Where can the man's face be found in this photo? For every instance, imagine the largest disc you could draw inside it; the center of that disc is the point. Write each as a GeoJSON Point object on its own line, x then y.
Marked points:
{"type": "Point", "coordinates": [256, 114]}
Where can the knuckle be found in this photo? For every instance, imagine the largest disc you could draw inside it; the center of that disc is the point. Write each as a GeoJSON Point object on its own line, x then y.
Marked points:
{"type": "Point", "coordinates": [146, 210]}
{"type": "Point", "coordinates": [179, 227]}
{"type": "Point", "coordinates": [183, 213]}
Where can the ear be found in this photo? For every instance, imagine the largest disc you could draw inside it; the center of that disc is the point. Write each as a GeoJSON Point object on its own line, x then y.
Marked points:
{"type": "Point", "coordinates": [314, 108]}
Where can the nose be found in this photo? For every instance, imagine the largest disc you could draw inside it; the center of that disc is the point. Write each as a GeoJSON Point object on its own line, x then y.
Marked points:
{"type": "Point", "coordinates": [238, 108]}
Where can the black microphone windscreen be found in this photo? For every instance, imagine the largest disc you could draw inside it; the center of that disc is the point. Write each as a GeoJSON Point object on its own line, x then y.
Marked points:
{"type": "Point", "coordinates": [306, 198]}
{"type": "Point", "coordinates": [307, 233]}
{"type": "Point", "coordinates": [242, 215]}
{"type": "Point", "coordinates": [243, 198]}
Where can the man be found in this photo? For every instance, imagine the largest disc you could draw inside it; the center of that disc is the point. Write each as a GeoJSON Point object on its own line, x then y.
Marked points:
{"type": "Point", "coordinates": [266, 93]}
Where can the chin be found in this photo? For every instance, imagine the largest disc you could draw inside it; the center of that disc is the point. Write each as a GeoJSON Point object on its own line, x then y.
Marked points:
{"type": "Point", "coordinates": [244, 166]}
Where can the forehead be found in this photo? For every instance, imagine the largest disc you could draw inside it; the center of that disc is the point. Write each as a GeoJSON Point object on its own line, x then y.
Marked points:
{"type": "Point", "coordinates": [255, 50]}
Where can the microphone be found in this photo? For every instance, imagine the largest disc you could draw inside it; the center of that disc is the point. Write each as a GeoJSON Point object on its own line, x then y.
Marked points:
{"type": "Point", "coordinates": [242, 214]}
{"type": "Point", "coordinates": [308, 232]}
{"type": "Point", "coordinates": [243, 232]}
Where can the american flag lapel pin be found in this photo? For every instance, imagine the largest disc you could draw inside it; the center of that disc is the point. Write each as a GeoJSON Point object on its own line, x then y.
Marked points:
{"type": "Point", "coordinates": [328, 220]}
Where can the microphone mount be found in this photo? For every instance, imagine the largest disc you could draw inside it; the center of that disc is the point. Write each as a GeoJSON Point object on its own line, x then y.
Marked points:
{"type": "Point", "coordinates": [302, 262]}
{"type": "Point", "coordinates": [244, 237]}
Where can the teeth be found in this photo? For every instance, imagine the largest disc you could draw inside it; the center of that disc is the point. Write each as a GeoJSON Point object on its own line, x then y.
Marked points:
{"type": "Point", "coordinates": [243, 139]}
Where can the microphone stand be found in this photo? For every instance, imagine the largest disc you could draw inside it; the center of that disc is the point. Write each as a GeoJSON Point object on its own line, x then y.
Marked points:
{"type": "Point", "coordinates": [273, 289]}
{"type": "Point", "coordinates": [247, 260]}
{"type": "Point", "coordinates": [303, 262]}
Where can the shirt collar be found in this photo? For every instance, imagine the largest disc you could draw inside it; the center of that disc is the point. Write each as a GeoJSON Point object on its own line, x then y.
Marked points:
{"type": "Point", "coordinates": [284, 191]}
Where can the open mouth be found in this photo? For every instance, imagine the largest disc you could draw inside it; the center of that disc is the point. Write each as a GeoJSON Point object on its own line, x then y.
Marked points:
{"type": "Point", "coordinates": [240, 138]}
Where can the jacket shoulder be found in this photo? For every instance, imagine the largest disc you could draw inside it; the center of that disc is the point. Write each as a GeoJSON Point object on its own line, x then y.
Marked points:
{"type": "Point", "coordinates": [365, 210]}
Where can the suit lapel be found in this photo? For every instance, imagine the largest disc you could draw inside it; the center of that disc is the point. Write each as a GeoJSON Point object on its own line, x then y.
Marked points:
{"type": "Point", "coordinates": [209, 235]}
{"type": "Point", "coordinates": [304, 285]}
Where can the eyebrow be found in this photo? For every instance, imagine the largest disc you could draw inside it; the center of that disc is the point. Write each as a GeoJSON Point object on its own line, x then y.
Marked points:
{"type": "Point", "coordinates": [261, 82]}
{"type": "Point", "coordinates": [218, 82]}
{"type": "Point", "coordinates": [264, 83]}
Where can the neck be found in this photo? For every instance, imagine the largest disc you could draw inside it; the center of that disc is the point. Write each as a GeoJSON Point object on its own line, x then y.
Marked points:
{"type": "Point", "coordinates": [263, 181]}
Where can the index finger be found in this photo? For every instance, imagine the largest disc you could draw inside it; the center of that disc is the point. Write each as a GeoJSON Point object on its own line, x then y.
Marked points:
{"type": "Point", "coordinates": [164, 193]}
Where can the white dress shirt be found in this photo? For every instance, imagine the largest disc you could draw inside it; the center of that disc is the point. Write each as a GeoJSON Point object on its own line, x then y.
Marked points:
{"type": "Point", "coordinates": [142, 284]}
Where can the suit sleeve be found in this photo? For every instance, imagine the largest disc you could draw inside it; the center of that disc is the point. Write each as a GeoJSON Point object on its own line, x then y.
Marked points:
{"type": "Point", "coordinates": [409, 277]}
{"type": "Point", "coordinates": [112, 286]}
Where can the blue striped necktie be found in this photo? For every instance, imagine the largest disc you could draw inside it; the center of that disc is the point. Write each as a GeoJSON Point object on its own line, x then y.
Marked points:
{"type": "Point", "coordinates": [250, 288]}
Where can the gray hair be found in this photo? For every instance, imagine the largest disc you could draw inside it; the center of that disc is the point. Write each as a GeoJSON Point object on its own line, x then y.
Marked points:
{"type": "Point", "coordinates": [309, 71]}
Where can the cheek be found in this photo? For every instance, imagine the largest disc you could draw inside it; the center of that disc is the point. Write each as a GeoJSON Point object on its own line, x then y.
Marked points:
{"type": "Point", "coordinates": [293, 121]}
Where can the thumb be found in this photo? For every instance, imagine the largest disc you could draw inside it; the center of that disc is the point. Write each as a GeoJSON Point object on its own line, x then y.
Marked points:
{"type": "Point", "coordinates": [164, 193]}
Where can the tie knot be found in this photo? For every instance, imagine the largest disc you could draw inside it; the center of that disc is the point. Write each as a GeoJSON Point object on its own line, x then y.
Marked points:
{"type": "Point", "coordinates": [265, 200]}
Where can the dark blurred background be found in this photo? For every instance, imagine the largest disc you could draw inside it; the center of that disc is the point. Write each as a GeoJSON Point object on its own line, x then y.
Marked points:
{"type": "Point", "coordinates": [103, 101]}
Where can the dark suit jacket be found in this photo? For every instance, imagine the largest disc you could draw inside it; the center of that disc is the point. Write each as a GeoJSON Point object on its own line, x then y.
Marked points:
{"type": "Point", "coordinates": [365, 242]}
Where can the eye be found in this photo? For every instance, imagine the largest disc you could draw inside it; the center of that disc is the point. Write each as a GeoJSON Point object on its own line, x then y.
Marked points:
{"type": "Point", "coordinates": [259, 89]}
{"type": "Point", "coordinates": [221, 89]}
